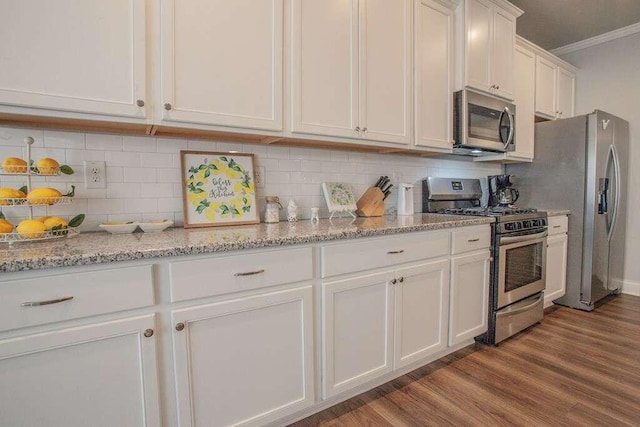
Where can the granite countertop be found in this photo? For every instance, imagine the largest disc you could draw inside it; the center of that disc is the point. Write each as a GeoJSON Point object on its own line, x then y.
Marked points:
{"type": "Point", "coordinates": [556, 212]}
{"type": "Point", "coordinates": [101, 247]}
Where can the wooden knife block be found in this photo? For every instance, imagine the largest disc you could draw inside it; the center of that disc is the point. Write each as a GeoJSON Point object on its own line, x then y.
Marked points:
{"type": "Point", "coordinates": [371, 203]}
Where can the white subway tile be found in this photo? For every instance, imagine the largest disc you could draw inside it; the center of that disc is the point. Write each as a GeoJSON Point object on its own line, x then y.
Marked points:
{"type": "Point", "coordinates": [57, 139]}
{"type": "Point", "coordinates": [10, 151]}
{"type": "Point", "coordinates": [119, 158]}
{"type": "Point", "coordinates": [114, 174]}
{"type": "Point", "coordinates": [230, 146]}
{"type": "Point", "coordinates": [97, 141]}
{"type": "Point", "coordinates": [91, 193]}
{"type": "Point", "coordinates": [59, 154]}
{"type": "Point", "coordinates": [140, 205]}
{"type": "Point", "coordinates": [289, 165]}
{"type": "Point", "coordinates": [139, 175]}
{"type": "Point", "coordinates": [105, 206]}
{"type": "Point", "coordinates": [157, 160]}
{"type": "Point", "coordinates": [74, 208]}
{"type": "Point", "coordinates": [156, 190]}
{"type": "Point", "coordinates": [276, 152]}
{"type": "Point", "coordinates": [16, 136]}
{"type": "Point", "coordinates": [91, 222]}
{"type": "Point", "coordinates": [258, 150]}
{"type": "Point", "coordinates": [311, 166]}
{"type": "Point", "coordinates": [278, 177]}
{"type": "Point", "coordinates": [172, 175]}
{"type": "Point", "coordinates": [124, 190]}
{"type": "Point", "coordinates": [125, 217]}
{"type": "Point", "coordinates": [171, 145]}
{"type": "Point", "coordinates": [76, 157]}
{"type": "Point", "coordinates": [199, 145]}
{"type": "Point", "coordinates": [170, 205]}
{"type": "Point", "coordinates": [140, 144]}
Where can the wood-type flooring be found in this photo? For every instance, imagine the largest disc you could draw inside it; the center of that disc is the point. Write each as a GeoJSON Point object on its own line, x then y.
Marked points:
{"type": "Point", "coordinates": [575, 368]}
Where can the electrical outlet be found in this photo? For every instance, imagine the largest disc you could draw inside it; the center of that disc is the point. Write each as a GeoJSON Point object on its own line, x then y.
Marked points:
{"type": "Point", "coordinates": [260, 176]}
{"type": "Point", "coordinates": [95, 175]}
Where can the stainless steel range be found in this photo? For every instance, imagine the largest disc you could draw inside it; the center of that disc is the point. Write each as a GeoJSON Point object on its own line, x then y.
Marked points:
{"type": "Point", "coordinates": [519, 244]}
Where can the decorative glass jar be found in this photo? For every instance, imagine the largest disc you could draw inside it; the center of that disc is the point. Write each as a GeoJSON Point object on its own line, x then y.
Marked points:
{"type": "Point", "coordinates": [272, 211]}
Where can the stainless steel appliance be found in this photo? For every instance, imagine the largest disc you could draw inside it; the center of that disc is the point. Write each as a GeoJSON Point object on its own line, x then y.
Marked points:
{"type": "Point", "coordinates": [519, 245]}
{"type": "Point", "coordinates": [482, 123]}
{"type": "Point", "coordinates": [581, 164]}
{"type": "Point", "coordinates": [501, 192]}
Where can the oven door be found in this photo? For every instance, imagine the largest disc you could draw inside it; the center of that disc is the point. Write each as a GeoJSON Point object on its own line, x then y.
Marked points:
{"type": "Point", "coordinates": [522, 267]}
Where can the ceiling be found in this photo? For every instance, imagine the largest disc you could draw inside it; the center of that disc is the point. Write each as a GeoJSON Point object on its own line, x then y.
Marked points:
{"type": "Point", "coordinates": [555, 23]}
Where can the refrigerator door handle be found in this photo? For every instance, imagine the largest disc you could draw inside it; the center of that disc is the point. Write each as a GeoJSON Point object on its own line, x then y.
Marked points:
{"type": "Point", "coordinates": [616, 204]}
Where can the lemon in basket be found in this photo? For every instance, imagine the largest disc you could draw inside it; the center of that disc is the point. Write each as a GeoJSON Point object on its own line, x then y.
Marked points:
{"type": "Point", "coordinates": [10, 193]}
{"type": "Point", "coordinates": [30, 229]}
{"type": "Point", "coordinates": [54, 223]}
{"type": "Point", "coordinates": [47, 166]}
{"type": "Point", "coordinates": [5, 226]}
{"type": "Point", "coordinates": [43, 196]}
{"type": "Point", "coordinates": [14, 165]}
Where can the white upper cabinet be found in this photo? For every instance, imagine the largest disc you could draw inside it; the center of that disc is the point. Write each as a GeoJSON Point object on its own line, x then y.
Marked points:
{"type": "Point", "coordinates": [489, 32]}
{"type": "Point", "coordinates": [555, 89]}
{"type": "Point", "coordinates": [434, 26]}
{"type": "Point", "coordinates": [525, 93]}
{"type": "Point", "coordinates": [222, 62]}
{"type": "Point", "coordinates": [72, 56]}
{"type": "Point", "coordinates": [351, 70]}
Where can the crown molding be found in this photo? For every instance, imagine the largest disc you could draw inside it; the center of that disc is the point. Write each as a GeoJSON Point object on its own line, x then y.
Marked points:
{"type": "Point", "coordinates": [594, 41]}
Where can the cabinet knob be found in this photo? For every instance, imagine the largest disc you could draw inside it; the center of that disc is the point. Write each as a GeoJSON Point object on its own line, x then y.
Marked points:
{"type": "Point", "coordinates": [140, 103]}
{"type": "Point", "coordinates": [364, 129]}
{"type": "Point", "coordinates": [179, 326]}
{"type": "Point", "coordinates": [394, 281]}
{"type": "Point", "coordinates": [168, 106]}
{"type": "Point", "coordinates": [357, 128]}
{"type": "Point", "coordinates": [401, 279]}
{"type": "Point", "coordinates": [148, 332]}
{"type": "Point", "coordinates": [498, 87]}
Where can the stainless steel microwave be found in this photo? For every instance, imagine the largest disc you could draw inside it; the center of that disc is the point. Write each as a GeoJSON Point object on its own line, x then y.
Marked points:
{"type": "Point", "coordinates": [483, 124]}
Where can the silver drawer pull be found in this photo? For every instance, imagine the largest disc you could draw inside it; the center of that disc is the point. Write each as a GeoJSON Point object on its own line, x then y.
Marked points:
{"type": "Point", "coordinates": [39, 303]}
{"type": "Point", "coordinates": [473, 240]}
{"type": "Point", "coordinates": [249, 273]}
{"type": "Point", "coordinates": [557, 226]}
{"type": "Point", "coordinates": [396, 252]}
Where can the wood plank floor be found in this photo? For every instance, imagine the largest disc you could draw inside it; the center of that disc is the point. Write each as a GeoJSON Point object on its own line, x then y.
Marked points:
{"type": "Point", "coordinates": [576, 368]}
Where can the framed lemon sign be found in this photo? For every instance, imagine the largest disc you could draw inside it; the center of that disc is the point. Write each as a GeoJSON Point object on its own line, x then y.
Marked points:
{"type": "Point", "coordinates": [218, 189]}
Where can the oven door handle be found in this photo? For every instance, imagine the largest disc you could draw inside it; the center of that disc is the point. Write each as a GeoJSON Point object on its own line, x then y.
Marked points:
{"type": "Point", "coordinates": [516, 239]}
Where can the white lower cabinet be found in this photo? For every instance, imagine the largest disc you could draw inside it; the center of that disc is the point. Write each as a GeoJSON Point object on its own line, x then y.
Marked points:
{"type": "Point", "coordinates": [469, 296]}
{"type": "Point", "coordinates": [556, 279]}
{"type": "Point", "coordinates": [248, 361]}
{"type": "Point", "coordinates": [102, 374]}
{"type": "Point", "coordinates": [378, 322]}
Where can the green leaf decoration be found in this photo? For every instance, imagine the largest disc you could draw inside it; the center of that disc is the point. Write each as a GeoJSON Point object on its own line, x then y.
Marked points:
{"type": "Point", "coordinates": [244, 200]}
{"type": "Point", "coordinates": [72, 192]}
{"type": "Point", "coordinates": [234, 211]}
{"type": "Point", "coordinates": [236, 168]}
{"type": "Point", "coordinates": [207, 173]}
{"type": "Point", "coordinates": [2, 215]}
{"type": "Point", "coordinates": [192, 169]}
{"type": "Point", "coordinates": [76, 220]}
{"type": "Point", "coordinates": [224, 209]}
{"type": "Point", "coordinates": [200, 208]}
{"type": "Point", "coordinates": [224, 159]}
{"type": "Point", "coordinates": [246, 209]}
{"type": "Point", "coordinates": [202, 167]}
{"type": "Point", "coordinates": [23, 189]}
{"type": "Point", "coordinates": [67, 170]}
{"type": "Point", "coordinates": [199, 184]}
{"type": "Point", "coordinates": [197, 191]}
{"type": "Point", "coordinates": [213, 167]}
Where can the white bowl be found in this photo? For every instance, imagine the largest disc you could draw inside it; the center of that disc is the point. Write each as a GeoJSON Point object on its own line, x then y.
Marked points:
{"type": "Point", "coordinates": [119, 227]}
{"type": "Point", "coordinates": [155, 226]}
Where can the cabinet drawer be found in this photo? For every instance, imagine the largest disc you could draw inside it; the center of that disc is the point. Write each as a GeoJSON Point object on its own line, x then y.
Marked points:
{"type": "Point", "coordinates": [471, 239]}
{"type": "Point", "coordinates": [367, 254]}
{"type": "Point", "coordinates": [95, 292]}
{"type": "Point", "coordinates": [558, 225]}
{"type": "Point", "coordinates": [223, 275]}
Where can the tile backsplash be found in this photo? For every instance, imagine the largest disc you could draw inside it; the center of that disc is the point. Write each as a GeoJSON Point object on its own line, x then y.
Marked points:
{"type": "Point", "coordinates": [144, 177]}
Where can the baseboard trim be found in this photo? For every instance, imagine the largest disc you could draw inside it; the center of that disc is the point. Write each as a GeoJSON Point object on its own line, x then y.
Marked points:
{"type": "Point", "coordinates": [631, 288]}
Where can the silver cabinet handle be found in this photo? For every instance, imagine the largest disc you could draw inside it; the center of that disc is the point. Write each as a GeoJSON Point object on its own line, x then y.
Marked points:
{"type": "Point", "coordinates": [249, 273]}
{"type": "Point", "coordinates": [39, 303]}
{"type": "Point", "coordinates": [394, 281]}
{"type": "Point", "coordinates": [557, 226]}
{"type": "Point", "coordinates": [148, 332]}
{"type": "Point", "coordinates": [473, 240]}
{"type": "Point", "coordinates": [168, 106]}
{"type": "Point", "coordinates": [396, 252]}
{"type": "Point", "coordinates": [140, 103]}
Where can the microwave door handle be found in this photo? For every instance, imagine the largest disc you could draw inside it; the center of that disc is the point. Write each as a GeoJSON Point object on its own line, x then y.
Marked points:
{"type": "Point", "coordinates": [500, 118]}
{"type": "Point", "coordinates": [511, 127]}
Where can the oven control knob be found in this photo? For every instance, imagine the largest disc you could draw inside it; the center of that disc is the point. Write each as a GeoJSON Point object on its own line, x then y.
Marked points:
{"type": "Point", "coordinates": [526, 223]}
{"type": "Point", "coordinates": [509, 226]}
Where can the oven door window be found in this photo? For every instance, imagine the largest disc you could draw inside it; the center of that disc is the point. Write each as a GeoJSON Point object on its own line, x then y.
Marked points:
{"type": "Point", "coordinates": [523, 265]}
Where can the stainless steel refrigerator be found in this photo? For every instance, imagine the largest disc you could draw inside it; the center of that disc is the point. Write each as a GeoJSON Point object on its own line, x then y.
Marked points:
{"type": "Point", "coordinates": [581, 164]}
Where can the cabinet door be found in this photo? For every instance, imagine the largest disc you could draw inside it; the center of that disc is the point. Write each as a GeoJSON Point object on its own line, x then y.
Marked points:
{"type": "Point", "coordinates": [246, 361]}
{"type": "Point", "coordinates": [556, 281]}
{"type": "Point", "coordinates": [566, 93]}
{"type": "Point", "coordinates": [478, 16]}
{"type": "Point", "coordinates": [525, 93]}
{"type": "Point", "coordinates": [101, 68]}
{"type": "Point", "coordinates": [502, 54]}
{"type": "Point", "coordinates": [222, 62]}
{"type": "Point", "coordinates": [385, 70]}
{"type": "Point", "coordinates": [99, 375]}
{"type": "Point", "coordinates": [434, 75]}
{"type": "Point", "coordinates": [325, 67]}
{"type": "Point", "coordinates": [546, 87]}
{"type": "Point", "coordinates": [469, 296]}
{"type": "Point", "coordinates": [357, 326]}
{"type": "Point", "coordinates": [421, 311]}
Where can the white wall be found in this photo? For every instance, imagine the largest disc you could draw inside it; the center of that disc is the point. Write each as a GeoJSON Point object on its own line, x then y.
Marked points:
{"type": "Point", "coordinates": [609, 79]}
{"type": "Point", "coordinates": [144, 180]}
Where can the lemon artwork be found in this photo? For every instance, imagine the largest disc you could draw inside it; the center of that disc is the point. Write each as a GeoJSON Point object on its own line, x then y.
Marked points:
{"type": "Point", "coordinates": [221, 190]}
